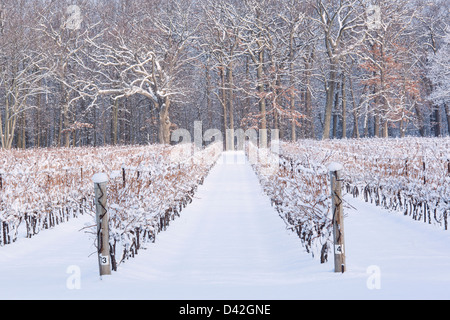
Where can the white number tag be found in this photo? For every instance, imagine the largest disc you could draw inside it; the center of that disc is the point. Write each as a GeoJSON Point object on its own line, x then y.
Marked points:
{"type": "Point", "coordinates": [104, 260]}
{"type": "Point", "coordinates": [339, 249]}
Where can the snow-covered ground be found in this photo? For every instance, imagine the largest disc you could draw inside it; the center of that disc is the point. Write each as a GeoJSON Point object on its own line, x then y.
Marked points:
{"type": "Point", "coordinates": [231, 244]}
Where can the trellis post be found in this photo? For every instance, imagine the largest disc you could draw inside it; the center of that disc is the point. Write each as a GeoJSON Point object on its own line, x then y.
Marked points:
{"type": "Point", "coordinates": [100, 183]}
{"type": "Point", "coordinates": [338, 217]}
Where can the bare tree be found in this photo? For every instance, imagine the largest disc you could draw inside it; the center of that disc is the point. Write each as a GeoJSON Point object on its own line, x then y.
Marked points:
{"type": "Point", "coordinates": [22, 69]}
{"type": "Point", "coordinates": [338, 19]}
{"type": "Point", "coordinates": [120, 71]}
{"type": "Point", "coordinates": [223, 41]}
{"type": "Point", "coordinates": [146, 62]}
{"type": "Point", "coordinates": [389, 59]}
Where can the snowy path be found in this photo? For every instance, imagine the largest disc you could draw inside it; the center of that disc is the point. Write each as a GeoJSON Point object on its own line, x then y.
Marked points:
{"type": "Point", "coordinates": [230, 244]}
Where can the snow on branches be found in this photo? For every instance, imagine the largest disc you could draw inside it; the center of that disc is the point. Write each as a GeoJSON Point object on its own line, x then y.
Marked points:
{"type": "Point", "coordinates": [300, 191]}
{"type": "Point", "coordinates": [148, 186]}
{"type": "Point", "coordinates": [411, 176]}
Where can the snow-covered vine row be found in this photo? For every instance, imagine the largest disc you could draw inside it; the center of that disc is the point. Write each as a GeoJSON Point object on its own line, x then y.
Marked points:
{"type": "Point", "coordinates": [299, 188]}
{"type": "Point", "coordinates": [410, 175]}
{"type": "Point", "coordinates": [153, 196]}
{"type": "Point", "coordinates": [148, 185]}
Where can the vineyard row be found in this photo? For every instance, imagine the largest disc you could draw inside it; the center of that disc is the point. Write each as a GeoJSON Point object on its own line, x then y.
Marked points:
{"type": "Point", "coordinates": [411, 176]}
{"type": "Point", "coordinates": [148, 187]}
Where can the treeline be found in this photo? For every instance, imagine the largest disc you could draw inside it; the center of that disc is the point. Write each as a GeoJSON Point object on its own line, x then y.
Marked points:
{"type": "Point", "coordinates": [76, 73]}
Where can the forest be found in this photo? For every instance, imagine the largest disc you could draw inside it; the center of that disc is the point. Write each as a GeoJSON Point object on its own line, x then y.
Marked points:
{"type": "Point", "coordinates": [120, 72]}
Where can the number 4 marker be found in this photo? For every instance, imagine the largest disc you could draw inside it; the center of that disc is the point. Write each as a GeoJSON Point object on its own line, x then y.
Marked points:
{"type": "Point", "coordinates": [339, 249]}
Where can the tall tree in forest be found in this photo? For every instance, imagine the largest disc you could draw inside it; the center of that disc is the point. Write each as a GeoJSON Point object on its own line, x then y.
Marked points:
{"type": "Point", "coordinates": [148, 60]}
{"type": "Point", "coordinates": [439, 74]}
{"type": "Point", "coordinates": [223, 41]}
{"type": "Point", "coordinates": [22, 69]}
{"type": "Point", "coordinates": [337, 19]}
{"type": "Point", "coordinates": [390, 60]}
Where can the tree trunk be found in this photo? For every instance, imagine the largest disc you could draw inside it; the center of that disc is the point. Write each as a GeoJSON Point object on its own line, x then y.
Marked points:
{"type": "Point", "coordinates": [262, 100]}
{"type": "Point", "coordinates": [402, 128]}
{"type": "Point", "coordinates": [293, 124]}
{"type": "Point", "coordinates": [355, 134]}
{"type": "Point", "coordinates": [164, 122]}
{"type": "Point", "coordinates": [66, 120]}
{"type": "Point", "coordinates": [366, 124]}
{"type": "Point", "coordinates": [276, 115]}
{"type": "Point", "coordinates": [447, 112]}
{"type": "Point", "coordinates": [335, 110]}
{"type": "Point", "coordinates": [224, 99]}
{"type": "Point", "coordinates": [311, 129]}
{"type": "Point", "coordinates": [292, 86]}
{"type": "Point", "coordinates": [230, 104]}
{"type": "Point", "coordinates": [60, 126]}
{"type": "Point", "coordinates": [344, 107]}
{"type": "Point", "coordinates": [208, 95]}
{"type": "Point", "coordinates": [7, 135]}
{"type": "Point", "coordinates": [115, 118]}
{"type": "Point", "coordinates": [230, 97]}
{"type": "Point", "coordinates": [437, 121]}
{"type": "Point", "coordinates": [22, 141]}
{"type": "Point", "coordinates": [329, 89]}
{"type": "Point", "coordinates": [37, 134]}
{"type": "Point", "coordinates": [386, 129]}
{"type": "Point", "coordinates": [420, 119]}
{"type": "Point", "coordinates": [74, 132]}
{"type": "Point", "coordinates": [376, 126]}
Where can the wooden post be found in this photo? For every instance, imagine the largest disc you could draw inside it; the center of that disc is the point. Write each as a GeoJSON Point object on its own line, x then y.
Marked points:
{"type": "Point", "coordinates": [100, 182]}
{"type": "Point", "coordinates": [338, 217]}
{"type": "Point", "coordinates": [424, 169]}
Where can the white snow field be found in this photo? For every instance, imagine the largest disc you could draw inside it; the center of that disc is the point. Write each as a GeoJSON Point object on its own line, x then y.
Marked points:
{"type": "Point", "coordinates": [229, 243]}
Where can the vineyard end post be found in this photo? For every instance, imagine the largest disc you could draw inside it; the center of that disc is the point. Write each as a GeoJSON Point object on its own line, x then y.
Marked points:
{"type": "Point", "coordinates": [338, 217]}
{"type": "Point", "coordinates": [100, 184]}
